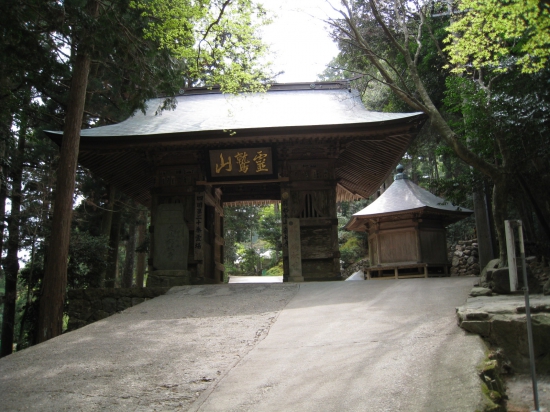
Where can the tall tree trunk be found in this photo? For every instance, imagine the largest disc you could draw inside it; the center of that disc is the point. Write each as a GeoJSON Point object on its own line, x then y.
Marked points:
{"type": "Point", "coordinates": [11, 263]}
{"type": "Point", "coordinates": [5, 134]}
{"type": "Point", "coordinates": [141, 258]}
{"type": "Point", "coordinates": [483, 227]}
{"type": "Point", "coordinates": [129, 262]}
{"type": "Point", "coordinates": [500, 213]}
{"type": "Point", "coordinates": [50, 320]}
{"type": "Point", "coordinates": [106, 223]}
{"type": "Point", "coordinates": [544, 223]}
{"type": "Point", "coordinates": [114, 239]}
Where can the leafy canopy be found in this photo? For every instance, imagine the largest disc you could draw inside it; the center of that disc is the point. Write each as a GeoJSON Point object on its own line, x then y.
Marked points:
{"type": "Point", "coordinates": [216, 39]}
{"type": "Point", "coordinates": [496, 34]}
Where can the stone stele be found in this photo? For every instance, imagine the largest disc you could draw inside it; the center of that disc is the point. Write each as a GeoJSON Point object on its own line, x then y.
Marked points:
{"type": "Point", "coordinates": [171, 246]}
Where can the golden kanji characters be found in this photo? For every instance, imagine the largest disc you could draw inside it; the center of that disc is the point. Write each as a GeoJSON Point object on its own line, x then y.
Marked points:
{"type": "Point", "coordinates": [260, 162]}
{"type": "Point", "coordinates": [241, 160]}
{"type": "Point", "coordinates": [223, 164]}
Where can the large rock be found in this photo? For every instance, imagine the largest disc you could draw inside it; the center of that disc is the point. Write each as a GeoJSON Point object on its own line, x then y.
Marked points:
{"type": "Point", "coordinates": [501, 321]}
{"type": "Point", "coordinates": [481, 292]}
{"type": "Point", "coordinates": [487, 271]}
{"type": "Point", "coordinates": [500, 282]}
{"type": "Point", "coordinates": [509, 332]}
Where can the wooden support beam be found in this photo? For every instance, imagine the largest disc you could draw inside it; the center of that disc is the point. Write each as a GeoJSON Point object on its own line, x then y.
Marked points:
{"type": "Point", "coordinates": [242, 182]}
{"type": "Point", "coordinates": [211, 201]}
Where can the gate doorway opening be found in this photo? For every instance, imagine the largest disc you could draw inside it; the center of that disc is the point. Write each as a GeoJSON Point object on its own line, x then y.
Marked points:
{"type": "Point", "coordinates": [253, 242]}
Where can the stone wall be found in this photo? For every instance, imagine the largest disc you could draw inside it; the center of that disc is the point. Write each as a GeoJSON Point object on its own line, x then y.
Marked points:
{"type": "Point", "coordinates": [464, 258]}
{"type": "Point", "coordinates": [86, 306]}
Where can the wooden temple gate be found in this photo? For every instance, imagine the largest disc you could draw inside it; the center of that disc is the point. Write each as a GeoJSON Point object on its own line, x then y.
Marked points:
{"type": "Point", "coordinates": [306, 146]}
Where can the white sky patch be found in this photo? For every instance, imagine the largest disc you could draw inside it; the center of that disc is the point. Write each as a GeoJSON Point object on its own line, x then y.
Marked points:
{"type": "Point", "coordinates": [299, 38]}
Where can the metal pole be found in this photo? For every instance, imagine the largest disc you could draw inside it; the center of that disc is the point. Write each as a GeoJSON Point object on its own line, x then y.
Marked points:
{"type": "Point", "coordinates": [528, 318]}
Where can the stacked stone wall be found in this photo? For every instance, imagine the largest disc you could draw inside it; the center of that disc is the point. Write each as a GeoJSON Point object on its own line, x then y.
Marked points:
{"type": "Point", "coordinates": [86, 306]}
{"type": "Point", "coordinates": [464, 258]}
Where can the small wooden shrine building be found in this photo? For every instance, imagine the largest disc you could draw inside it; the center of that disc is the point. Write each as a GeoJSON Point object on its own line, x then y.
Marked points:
{"type": "Point", "coordinates": [304, 145]}
{"type": "Point", "coordinates": [406, 228]}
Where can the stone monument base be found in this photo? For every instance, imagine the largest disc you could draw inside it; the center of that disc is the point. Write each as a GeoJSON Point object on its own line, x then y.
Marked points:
{"type": "Point", "coordinates": [169, 278]}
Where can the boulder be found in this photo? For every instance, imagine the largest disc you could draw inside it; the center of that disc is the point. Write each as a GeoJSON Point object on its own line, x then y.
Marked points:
{"type": "Point", "coordinates": [478, 327]}
{"type": "Point", "coordinates": [481, 292]}
{"type": "Point", "coordinates": [485, 276]}
{"type": "Point", "coordinates": [546, 288]}
{"type": "Point", "coordinates": [456, 261]}
{"type": "Point", "coordinates": [500, 282]}
{"type": "Point", "coordinates": [509, 332]}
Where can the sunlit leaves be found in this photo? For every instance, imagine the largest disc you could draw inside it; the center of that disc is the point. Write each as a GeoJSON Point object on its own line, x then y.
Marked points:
{"type": "Point", "coordinates": [498, 34]}
{"type": "Point", "coordinates": [217, 40]}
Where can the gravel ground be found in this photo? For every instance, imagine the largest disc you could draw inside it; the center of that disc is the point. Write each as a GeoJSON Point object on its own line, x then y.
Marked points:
{"type": "Point", "coordinates": [159, 355]}
{"type": "Point", "coordinates": [520, 393]}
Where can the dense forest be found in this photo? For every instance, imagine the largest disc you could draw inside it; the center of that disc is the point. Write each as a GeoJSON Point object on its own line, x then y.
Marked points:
{"type": "Point", "coordinates": [79, 64]}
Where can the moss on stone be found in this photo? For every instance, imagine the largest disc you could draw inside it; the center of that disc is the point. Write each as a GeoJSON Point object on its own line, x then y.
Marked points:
{"type": "Point", "coordinates": [492, 386]}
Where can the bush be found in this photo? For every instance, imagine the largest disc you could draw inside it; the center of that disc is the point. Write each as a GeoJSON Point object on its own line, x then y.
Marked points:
{"type": "Point", "coordinates": [351, 251]}
{"type": "Point", "coordinates": [276, 270]}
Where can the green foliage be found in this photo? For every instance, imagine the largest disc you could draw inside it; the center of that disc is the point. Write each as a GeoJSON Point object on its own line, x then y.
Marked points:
{"type": "Point", "coordinates": [240, 224]}
{"type": "Point", "coordinates": [276, 270]}
{"type": "Point", "coordinates": [269, 229]}
{"type": "Point", "coordinates": [351, 251]}
{"type": "Point", "coordinates": [86, 260]}
{"type": "Point", "coordinates": [352, 244]}
{"type": "Point", "coordinates": [250, 232]}
{"type": "Point", "coordinates": [216, 40]}
{"type": "Point", "coordinates": [248, 260]}
{"type": "Point", "coordinates": [497, 35]}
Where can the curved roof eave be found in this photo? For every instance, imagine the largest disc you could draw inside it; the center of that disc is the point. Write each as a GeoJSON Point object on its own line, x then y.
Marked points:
{"type": "Point", "coordinates": [219, 113]}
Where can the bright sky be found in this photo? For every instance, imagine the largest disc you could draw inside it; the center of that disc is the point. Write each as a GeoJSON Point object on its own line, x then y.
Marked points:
{"type": "Point", "coordinates": [299, 38]}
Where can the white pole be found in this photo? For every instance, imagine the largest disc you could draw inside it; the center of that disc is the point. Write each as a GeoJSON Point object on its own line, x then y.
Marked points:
{"type": "Point", "coordinates": [511, 249]}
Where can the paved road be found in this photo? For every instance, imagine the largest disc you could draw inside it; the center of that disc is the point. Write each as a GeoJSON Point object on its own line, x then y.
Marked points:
{"type": "Point", "coordinates": [380, 345]}
{"type": "Point", "coordinates": [375, 346]}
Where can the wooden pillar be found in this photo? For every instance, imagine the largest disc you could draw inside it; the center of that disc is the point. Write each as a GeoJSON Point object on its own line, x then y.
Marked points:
{"type": "Point", "coordinates": [284, 229]}
{"type": "Point", "coordinates": [294, 251]}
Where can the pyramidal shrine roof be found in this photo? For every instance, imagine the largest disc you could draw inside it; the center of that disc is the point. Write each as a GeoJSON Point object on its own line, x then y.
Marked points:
{"type": "Point", "coordinates": [405, 196]}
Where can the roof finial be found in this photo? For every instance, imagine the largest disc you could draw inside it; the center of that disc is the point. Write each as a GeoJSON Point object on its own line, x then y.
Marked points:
{"type": "Point", "coordinates": [400, 173]}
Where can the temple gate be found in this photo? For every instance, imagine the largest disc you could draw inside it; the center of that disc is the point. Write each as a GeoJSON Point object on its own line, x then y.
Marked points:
{"type": "Point", "coordinates": [306, 146]}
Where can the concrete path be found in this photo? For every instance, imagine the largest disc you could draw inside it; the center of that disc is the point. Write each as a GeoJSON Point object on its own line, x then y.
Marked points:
{"type": "Point", "coordinates": [360, 346]}
{"type": "Point", "coordinates": [338, 346]}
